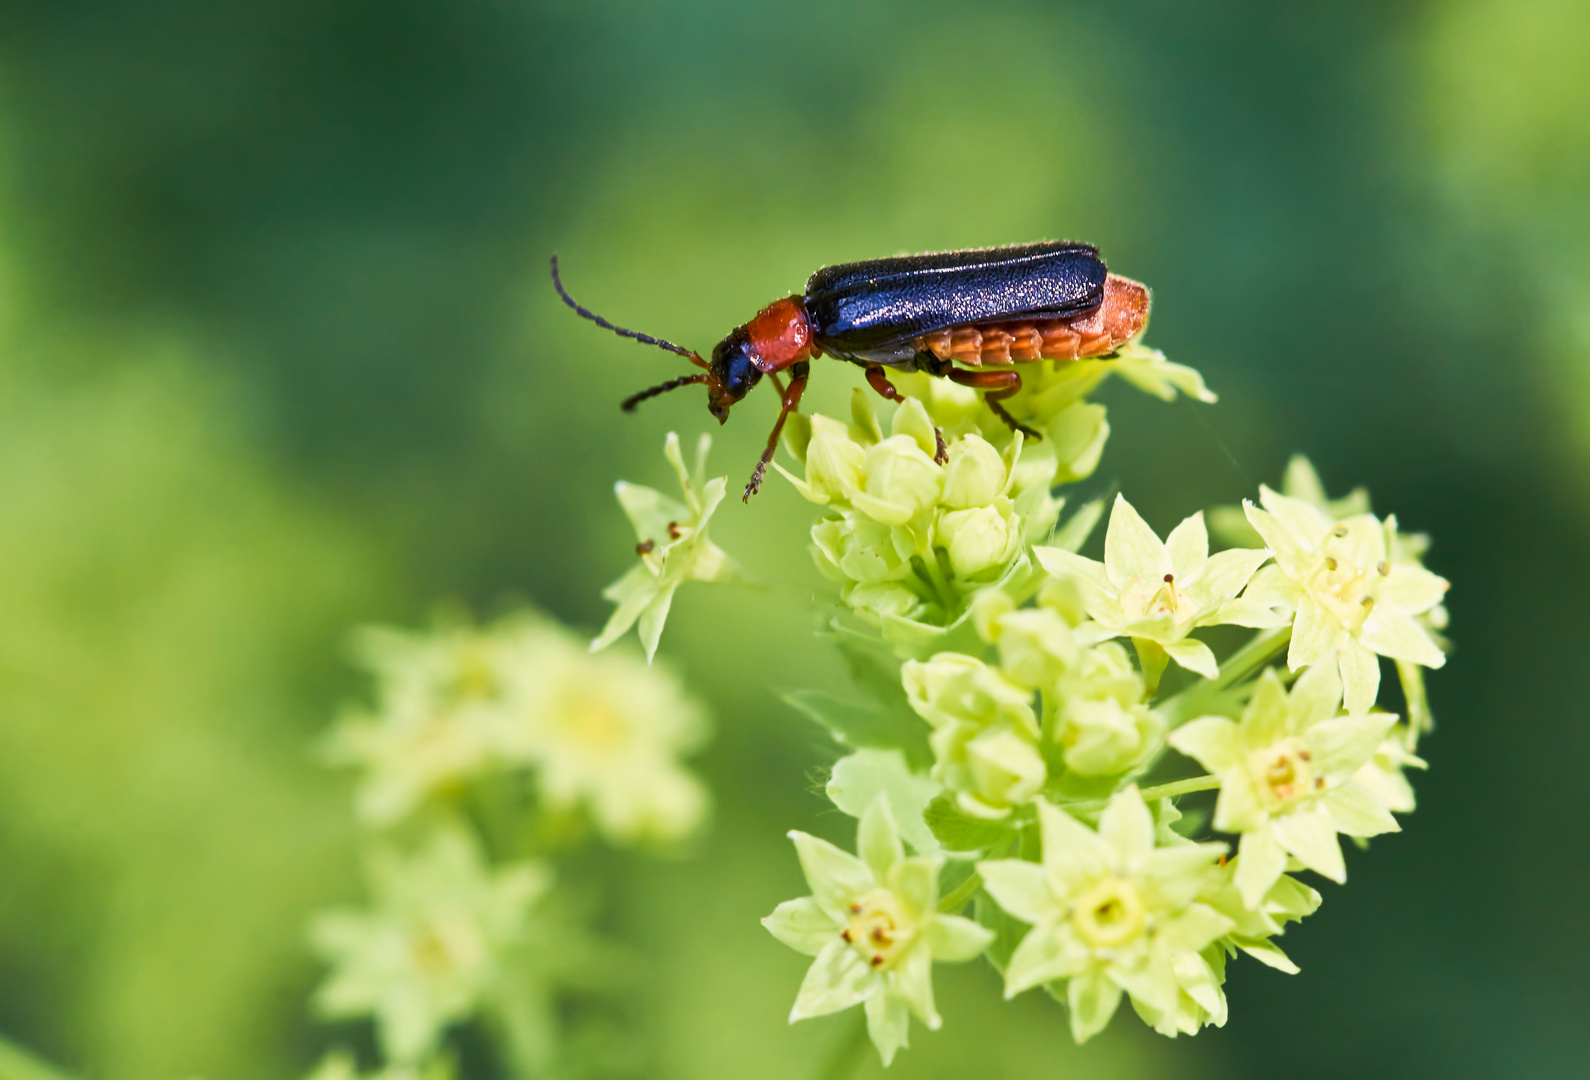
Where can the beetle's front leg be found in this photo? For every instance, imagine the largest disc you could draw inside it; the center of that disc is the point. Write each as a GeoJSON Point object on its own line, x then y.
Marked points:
{"type": "Point", "coordinates": [791, 402]}
{"type": "Point", "coordinates": [886, 389]}
{"type": "Point", "coordinates": [996, 386]}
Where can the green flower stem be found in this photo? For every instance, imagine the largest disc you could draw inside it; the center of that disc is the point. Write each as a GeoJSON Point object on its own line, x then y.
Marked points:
{"type": "Point", "coordinates": [19, 1064]}
{"type": "Point", "coordinates": [965, 890]}
{"type": "Point", "coordinates": [1238, 667]}
{"type": "Point", "coordinates": [1180, 787]}
{"type": "Point", "coordinates": [942, 589]}
{"type": "Point", "coordinates": [1158, 791]}
{"type": "Point", "coordinates": [962, 893]}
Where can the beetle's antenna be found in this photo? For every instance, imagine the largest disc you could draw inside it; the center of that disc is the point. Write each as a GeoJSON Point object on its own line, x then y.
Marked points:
{"type": "Point", "coordinates": [661, 388]}
{"type": "Point", "coordinates": [645, 339]}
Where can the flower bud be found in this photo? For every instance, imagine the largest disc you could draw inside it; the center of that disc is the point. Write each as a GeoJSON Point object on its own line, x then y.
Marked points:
{"type": "Point", "coordinates": [900, 480]}
{"type": "Point", "coordinates": [1006, 769]}
{"type": "Point", "coordinates": [979, 539]}
{"type": "Point", "coordinates": [1035, 646]}
{"type": "Point", "coordinates": [1102, 738]}
{"type": "Point", "coordinates": [884, 599]}
{"type": "Point", "coordinates": [1078, 434]}
{"type": "Point", "coordinates": [953, 688]}
{"type": "Point", "coordinates": [975, 475]}
{"type": "Point", "coordinates": [857, 549]}
{"type": "Point", "coordinates": [833, 460]}
{"type": "Point", "coordinates": [912, 419]}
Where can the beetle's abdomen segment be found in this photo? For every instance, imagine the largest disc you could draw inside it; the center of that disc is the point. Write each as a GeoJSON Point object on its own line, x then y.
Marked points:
{"type": "Point", "coordinates": [1119, 319]}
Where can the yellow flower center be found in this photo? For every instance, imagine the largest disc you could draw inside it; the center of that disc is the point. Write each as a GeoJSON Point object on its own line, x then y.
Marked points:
{"type": "Point", "coordinates": [473, 678]}
{"type": "Point", "coordinates": [1110, 914]}
{"type": "Point", "coordinates": [446, 946]}
{"type": "Point", "coordinates": [1284, 774]}
{"type": "Point", "coordinates": [1340, 586]}
{"type": "Point", "coordinates": [879, 928]}
{"type": "Point", "coordinates": [594, 723]}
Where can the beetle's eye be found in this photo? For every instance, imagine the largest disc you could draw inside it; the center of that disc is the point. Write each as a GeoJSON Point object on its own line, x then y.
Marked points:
{"type": "Point", "coordinates": [741, 376]}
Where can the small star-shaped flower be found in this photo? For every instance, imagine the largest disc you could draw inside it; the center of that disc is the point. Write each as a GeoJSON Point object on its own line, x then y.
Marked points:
{"type": "Point", "coordinates": [873, 924]}
{"type": "Point", "coordinates": [1153, 591]}
{"type": "Point", "coordinates": [673, 548]}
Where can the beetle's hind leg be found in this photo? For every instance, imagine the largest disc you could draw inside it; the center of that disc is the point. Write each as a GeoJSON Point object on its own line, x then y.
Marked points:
{"type": "Point", "coordinates": [996, 386]}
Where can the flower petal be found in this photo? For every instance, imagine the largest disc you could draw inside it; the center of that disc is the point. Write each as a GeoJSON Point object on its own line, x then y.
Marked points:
{"type": "Point", "coordinates": [1095, 583]}
{"type": "Point", "coordinates": [1093, 998]}
{"type": "Point", "coordinates": [1211, 740]}
{"type": "Point", "coordinates": [1306, 523]}
{"type": "Point", "coordinates": [1131, 550]}
{"type": "Point", "coordinates": [1193, 655]}
{"type": "Point", "coordinates": [916, 882]}
{"type": "Point", "coordinates": [1172, 876]}
{"type": "Point", "coordinates": [836, 877]}
{"type": "Point", "coordinates": [1316, 696]}
{"type": "Point", "coordinates": [1358, 813]}
{"type": "Point", "coordinates": [913, 984]}
{"type": "Point", "coordinates": [1021, 888]}
{"type": "Point", "coordinates": [1045, 954]}
{"type": "Point", "coordinates": [837, 979]}
{"type": "Point", "coordinates": [877, 838]}
{"type": "Point", "coordinates": [1412, 589]}
{"type": "Point", "coordinates": [888, 1025]}
{"type": "Point", "coordinates": [1188, 548]}
{"type": "Point", "coordinates": [1193, 928]}
{"type": "Point", "coordinates": [802, 925]}
{"type": "Point", "coordinates": [1127, 826]}
{"type": "Point", "coordinates": [1268, 717]}
{"type": "Point", "coordinates": [1267, 952]}
{"type": "Point", "coordinates": [1391, 633]}
{"type": "Point", "coordinates": [653, 618]}
{"type": "Point", "coordinates": [1260, 863]}
{"type": "Point", "coordinates": [1315, 635]}
{"type": "Point", "coordinates": [1360, 677]}
{"type": "Point", "coordinates": [1238, 809]}
{"type": "Point", "coordinates": [1271, 588]}
{"type": "Point", "coordinates": [953, 938]}
{"type": "Point", "coordinates": [1309, 835]}
{"type": "Point", "coordinates": [1072, 852]}
{"type": "Point", "coordinates": [1224, 575]}
{"type": "Point", "coordinates": [1343, 745]}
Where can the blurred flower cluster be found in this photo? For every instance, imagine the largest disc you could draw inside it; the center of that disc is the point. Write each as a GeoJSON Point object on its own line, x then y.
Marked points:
{"type": "Point", "coordinates": [1038, 790]}
{"type": "Point", "coordinates": [488, 754]}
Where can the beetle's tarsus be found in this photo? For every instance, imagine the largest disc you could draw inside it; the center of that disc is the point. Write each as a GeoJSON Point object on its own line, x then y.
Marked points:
{"type": "Point", "coordinates": [941, 453]}
{"type": "Point", "coordinates": [1010, 421]}
{"type": "Point", "coordinates": [756, 481]}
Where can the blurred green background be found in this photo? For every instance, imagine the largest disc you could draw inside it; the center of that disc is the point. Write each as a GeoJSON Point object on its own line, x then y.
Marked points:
{"type": "Point", "coordinates": [278, 355]}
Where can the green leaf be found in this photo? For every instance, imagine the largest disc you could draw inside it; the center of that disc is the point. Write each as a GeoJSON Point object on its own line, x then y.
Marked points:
{"type": "Point", "coordinates": [959, 831]}
{"type": "Point", "coordinates": [859, 723]}
{"type": "Point", "coordinates": [858, 778]}
{"type": "Point", "coordinates": [1007, 931]}
{"type": "Point", "coordinates": [872, 664]}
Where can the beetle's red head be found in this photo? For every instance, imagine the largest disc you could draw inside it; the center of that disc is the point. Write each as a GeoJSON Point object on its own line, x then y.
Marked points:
{"type": "Point", "coordinates": [732, 373]}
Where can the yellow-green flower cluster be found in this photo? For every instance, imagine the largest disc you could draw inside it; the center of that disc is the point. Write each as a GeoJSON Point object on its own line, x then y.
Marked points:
{"type": "Point", "coordinates": [602, 734]}
{"type": "Point", "coordinates": [912, 534]}
{"type": "Point", "coordinates": [429, 948]}
{"type": "Point", "coordinates": [1048, 707]}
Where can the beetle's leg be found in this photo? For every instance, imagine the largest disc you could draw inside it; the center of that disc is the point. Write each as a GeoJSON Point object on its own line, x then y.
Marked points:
{"type": "Point", "coordinates": [790, 403]}
{"type": "Point", "coordinates": [996, 386]}
{"type": "Point", "coordinates": [880, 382]}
